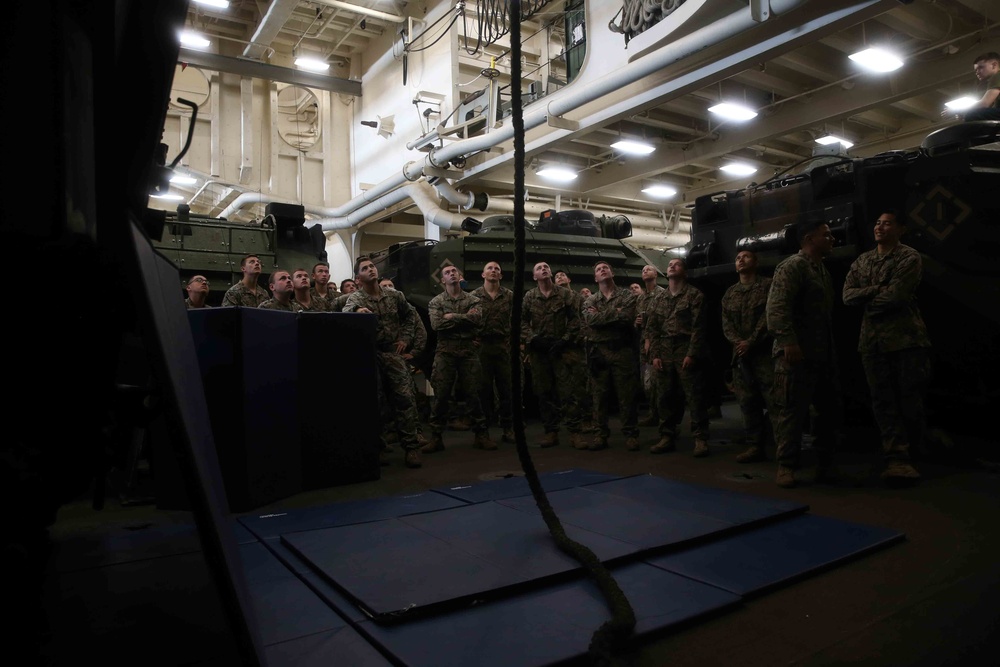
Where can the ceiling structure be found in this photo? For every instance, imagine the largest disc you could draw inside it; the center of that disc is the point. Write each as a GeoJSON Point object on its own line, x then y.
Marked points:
{"type": "Point", "coordinates": [801, 91]}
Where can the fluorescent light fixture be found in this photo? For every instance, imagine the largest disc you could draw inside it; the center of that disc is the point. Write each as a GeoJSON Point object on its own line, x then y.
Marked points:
{"type": "Point", "coordinates": [731, 111]}
{"type": "Point", "coordinates": [739, 168]}
{"type": "Point", "coordinates": [183, 180]}
{"type": "Point", "coordinates": [877, 60]}
{"type": "Point", "coordinates": [633, 147]}
{"type": "Point", "coordinates": [659, 190]}
{"type": "Point", "coordinates": [312, 64]}
{"type": "Point", "coordinates": [832, 139]}
{"type": "Point", "coordinates": [218, 4]}
{"type": "Point", "coordinates": [961, 103]}
{"type": "Point", "coordinates": [194, 40]}
{"type": "Point", "coordinates": [170, 196]}
{"type": "Point", "coordinates": [558, 174]}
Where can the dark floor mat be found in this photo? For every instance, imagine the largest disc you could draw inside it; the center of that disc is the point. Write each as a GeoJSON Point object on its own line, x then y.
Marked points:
{"type": "Point", "coordinates": [515, 487]}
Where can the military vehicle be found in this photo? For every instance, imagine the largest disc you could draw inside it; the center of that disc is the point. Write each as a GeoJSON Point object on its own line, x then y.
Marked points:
{"type": "Point", "coordinates": [213, 247]}
{"type": "Point", "coordinates": [946, 189]}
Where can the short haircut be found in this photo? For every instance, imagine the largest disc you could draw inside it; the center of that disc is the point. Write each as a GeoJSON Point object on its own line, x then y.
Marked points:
{"type": "Point", "coordinates": [808, 227]}
{"type": "Point", "coordinates": [678, 259]}
{"type": "Point", "coordinates": [319, 264]}
{"type": "Point", "coordinates": [607, 264]}
{"type": "Point", "coordinates": [294, 271]}
{"type": "Point", "coordinates": [345, 281]}
{"type": "Point", "coordinates": [243, 262]}
{"type": "Point", "coordinates": [446, 264]}
{"type": "Point", "coordinates": [900, 217]}
{"type": "Point", "coordinates": [562, 271]}
{"type": "Point", "coordinates": [989, 55]}
{"type": "Point", "coordinates": [359, 261]}
{"type": "Point", "coordinates": [274, 274]}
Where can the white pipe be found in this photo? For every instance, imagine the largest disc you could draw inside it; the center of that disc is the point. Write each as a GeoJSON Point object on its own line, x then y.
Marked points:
{"type": "Point", "coordinates": [657, 239]}
{"type": "Point", "coordinates": [506, 207]}
{"type": "Point", "coordinates": [448, 191]}
{"type": "Point", "coordinates": [422, 194]}
{"type": "Point", "coordinates": [374, 13]}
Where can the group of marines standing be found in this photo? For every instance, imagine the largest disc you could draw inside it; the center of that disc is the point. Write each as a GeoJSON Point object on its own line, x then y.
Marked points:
{"type": "Point", "coordinates": [582, 351]}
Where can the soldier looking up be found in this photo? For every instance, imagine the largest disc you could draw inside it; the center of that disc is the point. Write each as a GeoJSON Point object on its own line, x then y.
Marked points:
{"type": "Point", "coordinates": [347, 286]}
{"type": "Point", "coordinates": [392, 331]}
{"type": "Point", "coordinates": [197, 291]}
{"type": "Point", "coordinates": [744, 324]}
{"type": "Point", "coordinates": [675, 341]}
{"type": "Point", "coordinates": [894, 344]}
{"type": "Point", "coordinates": [321, 283]}
{"type": "Point", "coordinates": [650, 289]}
{"type": "Point", "coordinates": [495, 302]}
{"type": "Point", "coordinates": [283, 293]}
{"type": "Point", "coordinates": [610, 315]}
{"type": "Point", "coordinates": [550, 331]}
{"type": "Point", "coordinates": [456, 317]}
{"type": "Point", "coordinates": [304, 295]}
{"type": "Point", "coordinates": [247, 292]}
{"type": "Point", "coordinates": [799, 316]}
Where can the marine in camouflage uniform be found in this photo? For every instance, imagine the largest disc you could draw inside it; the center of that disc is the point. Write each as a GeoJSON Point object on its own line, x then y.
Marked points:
{"type": "Point", "coordinates": [456, 317]}
{"type": "Point", "coordinates": [197, 289]}
{"type": "Point", "coordinates": [744, 324]}
{"type": "Point", "coordinates": [799, 316]}
{"type": "Point", "coordinates": [611, 356]}
{"type": "Point", "coordinates": [247, 293]}
{"type": "Point", "coordinates": [894, 344]}
{"type": "Point", "coordinates": [281, 286]}
{"type": "Point", "coordinates": [392, 330]}
{"type": "Point", "coordinates": [650, 289]}
{"type": "Point", "coordinates": [494, 349]}
{"type": "Point", "coordinates": [550, 332]}
{"type": "Point", "coordinates": [675, 339]}
{"type": "Point", "coordinates": [321, 280]}
{"type": "Point", "coordinates": [304, 294]}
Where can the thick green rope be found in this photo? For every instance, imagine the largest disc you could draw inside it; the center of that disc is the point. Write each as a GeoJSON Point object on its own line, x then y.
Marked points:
{"type": "Point", "coordinates": [612, 634]}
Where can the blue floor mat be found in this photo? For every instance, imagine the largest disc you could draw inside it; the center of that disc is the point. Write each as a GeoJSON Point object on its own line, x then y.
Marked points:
{"type": "Point", "coordinates": [517, 486]}
{"type": "Point", "coordinates": [752, 562]}
{"type": "Point", "coordinates": [545, 625]}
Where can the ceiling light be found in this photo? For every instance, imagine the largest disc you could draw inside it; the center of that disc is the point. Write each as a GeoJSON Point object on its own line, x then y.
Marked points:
{"type": "Point", "coordinates": [877, 60]}
{"type": "Point", "coordinates": [194, 40]}
{"type": "Point", "coordinates": [219, 4]}
{"type": "Point", "coordinates": [167, 197]}
{"type": "Point", "coordinates": [633, 147]}
{"type": "Point", "coordinates": [731, 111]}
{"type": "Point", "coordinates": [312, 64]}
{"type": "Point", "coordinates": [831, 139]}
{"type": "Point", "coordinates": [558, 174]}
{"type": "Point", "coordinates": [183, 180]}
{"type": "Point", "coordinates": [739, 168]}
{"type": "Point", "coordinates": [961, 103]}
{"type": "Point", "coordinates": [659, 190]}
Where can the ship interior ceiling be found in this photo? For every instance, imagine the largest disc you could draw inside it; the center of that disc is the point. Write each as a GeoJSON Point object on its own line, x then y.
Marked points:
{"type": "Point", "coordinates": [801, 90]}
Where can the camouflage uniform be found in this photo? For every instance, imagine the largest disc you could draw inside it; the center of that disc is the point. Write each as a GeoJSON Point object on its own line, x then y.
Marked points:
{"type": "Point", "coordinates": [338, 304]}
{"type": "Point", "coordinates": [191, 306]}
{"type": "Point", "coordinates": [675, 328]}
{"type": "Point", "coordinates": [744, 318]}
{"type": "Point", "coordinates": [239, 295]}
{"type": "Point", "coordinates": [456, 358]}
{"type": "Point", "coordinates": [292, 306]}
{"type": "Point", "coordinates": [557, 376]}
{"type": "Point", "coordinates": [331, 294]}
{"type": "Point", "coordinates": [494, 353]}
{"type": "Point", "coordinates": [611, 358]}
{"type": "Point", "coordinates": [646, 377]}
{"type": "Point", "coordinates": [317, 304]}
{"type": "Point", "coordinates": [392, 323]}
{"type": "Point", "coordinates": [799, 308]}
{"type": "Point", "coordinates": [894, 345]}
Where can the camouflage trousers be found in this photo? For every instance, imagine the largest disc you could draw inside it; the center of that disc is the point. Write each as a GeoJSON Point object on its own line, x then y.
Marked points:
{"type": "Point", "coordinates": [397, 403]}
{"type": "Point", "coordinates": [560, 383]}
{"type": "Point", "coordinates": [674, 387]}
{"type": "Point", "coordinates": [898, 381]}
{"type": "Point", "coordinates": [615, 370]}
{"type": "Point", "coordinates": [753, 383]}
{"type": "Point", "coordinates": [495, 382]}
{"type": "Point", "coordinates": [456, 374]}
{"type": "Point", "coordinates": [796, 388]}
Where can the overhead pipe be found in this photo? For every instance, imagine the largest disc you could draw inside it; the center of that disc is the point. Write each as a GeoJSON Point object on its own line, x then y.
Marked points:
{"type": "Point", "coordinates": [364, 11]}
{"type": "Point", "coordinates": [506, 207]}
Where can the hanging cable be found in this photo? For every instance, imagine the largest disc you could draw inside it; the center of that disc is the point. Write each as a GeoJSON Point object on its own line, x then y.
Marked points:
{"type": "Point", "coordinates": [613, 633]}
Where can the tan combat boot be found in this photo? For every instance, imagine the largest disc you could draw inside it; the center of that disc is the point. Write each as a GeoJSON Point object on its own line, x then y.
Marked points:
{"type": "Point", "coordinates": [700, 449]}
{"type": "Point", "coordinates": [434, 444]}
{"type": "Point", "coordinates": [483, 441]}
{"type": "Point", "coordinates": [665, 444]}
{"type": "Point", "coordinates": [632, 444]}
{"type": "Point", "coordinates": [751, 455]}
{"type": "Point", "coordinates": [550, 439]}
{"type": "Point", "coordinates": [598, 443]}
{"type": "Point", "coordinates": [786, 477]}
{"type": "Point", "coordinates": [577, 441]}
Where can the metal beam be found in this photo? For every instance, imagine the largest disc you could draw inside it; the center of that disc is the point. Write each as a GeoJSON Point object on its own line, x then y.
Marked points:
{"type": "Point", "coordinates": [267, 72]}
